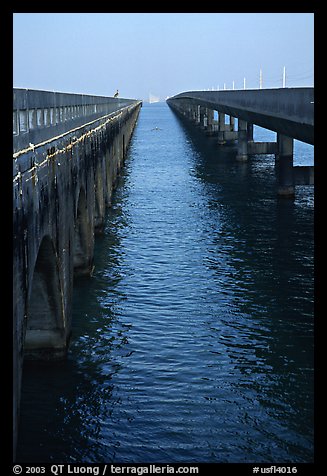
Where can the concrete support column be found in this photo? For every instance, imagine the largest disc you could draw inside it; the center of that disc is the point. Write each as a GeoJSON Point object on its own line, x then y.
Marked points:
{"type": "Point", "coordinates": [205, 119]}
{"type": "Point", "coordinates": [232, 123]}
{"type": "Point", "coordinates": [221, 128]}
{"type": "Point", "coordinates": [209, 119]}
{"type": "Point", "coordinates": [285, 167]}
{"type": "Point", "coordinates": [242, 144]}
{"type": "Point", "coordinates": [202, 116]}
{"type": "Point", "coordinates": [250, 131]}
{"type": "Point", "coordinates": [190, 112]}
{"type": "Point", "coordinates": [197, 115]}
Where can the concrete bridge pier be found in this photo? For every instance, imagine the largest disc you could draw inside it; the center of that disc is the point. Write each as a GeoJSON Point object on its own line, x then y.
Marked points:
{"type": "Point", "coordinates": [226, 132]}
{"type": "Point", "coordinates": [242, 144]}
{"type": "Point", "coordinates": [202, 117]}
{"type": "Point", "coordinates": [250, 132]}
{"type": "Point", "coordinates": [230, 135]}
{"type": "Point", "coordinates": [197, 115]}
{"type": "Point", "coordinates": [189, 113]}
{"type": "Point", "coordinates": [252, 147]}
{"type": "Point", "coordinates": [232, 123]}
{"type": "Point", "coordinates": [285, 167]}
{"type": "Point", "coordinates": [194, 113]}
{"type": "Point", "coordinates": [205, 123]}
{"type": "Point", "coordinates": [211, 129]}
{"type": "Point", "coordinates": [221, 128]}
{"type": "Point", "coordinates": [210, 115]}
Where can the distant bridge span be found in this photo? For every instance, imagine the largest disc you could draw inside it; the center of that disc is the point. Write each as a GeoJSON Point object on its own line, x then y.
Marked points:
{"type": "Point", "coordinates": [287, 111]}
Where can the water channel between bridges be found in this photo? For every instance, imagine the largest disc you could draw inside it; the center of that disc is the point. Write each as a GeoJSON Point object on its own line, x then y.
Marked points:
{"type": "Point", "coordinates": [193, 339]}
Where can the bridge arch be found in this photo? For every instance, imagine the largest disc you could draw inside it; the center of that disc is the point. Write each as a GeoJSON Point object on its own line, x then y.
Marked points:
{"type": "Point", "coordinates": [83, 238]}
{"type": "Point", "coordinates": [45, 337]}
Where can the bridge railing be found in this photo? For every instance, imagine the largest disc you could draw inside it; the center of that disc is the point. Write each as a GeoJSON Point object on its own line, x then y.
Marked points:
{"type": "Point", "coordinates": [40, 115]}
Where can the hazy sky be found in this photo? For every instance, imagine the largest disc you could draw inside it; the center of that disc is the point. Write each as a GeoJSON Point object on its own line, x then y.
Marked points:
{"type": "Point", "coordinates": [161, 53]}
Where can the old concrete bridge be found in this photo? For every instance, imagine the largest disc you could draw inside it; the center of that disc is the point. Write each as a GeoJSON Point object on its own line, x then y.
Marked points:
{"type": "Point", "coordinates": [287, 111]}
{"type": "Point", "coordinates": [68, 150]}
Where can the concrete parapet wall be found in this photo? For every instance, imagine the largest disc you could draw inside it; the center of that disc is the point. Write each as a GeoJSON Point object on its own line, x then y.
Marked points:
{"type": "Point", "coordinates": [40, 115]}
{"type": "Point", "coordinates": [61, 187]}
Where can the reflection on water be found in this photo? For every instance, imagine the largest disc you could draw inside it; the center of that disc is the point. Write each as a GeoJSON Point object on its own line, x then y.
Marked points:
{"type": "Point", "coordinates": [193, 341]}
